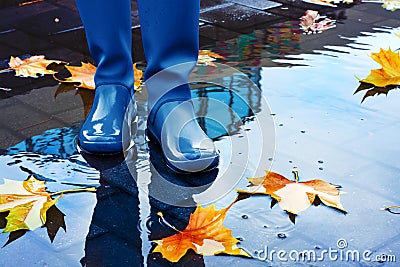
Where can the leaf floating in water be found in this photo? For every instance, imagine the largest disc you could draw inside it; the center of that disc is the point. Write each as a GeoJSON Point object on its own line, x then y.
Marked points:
{"type": "Point", "coordinates": [34, 66]}
{"type": "Point", "coordinates": [312, 22]}
{"type": "Point", "coordinates": [294, 196]}
{"type": "Point", "coordinates": [389, 74]}
{"type": "Point", "coordinates": [205, 234]}
{"type": "Point", "coordinates": [29, 206]}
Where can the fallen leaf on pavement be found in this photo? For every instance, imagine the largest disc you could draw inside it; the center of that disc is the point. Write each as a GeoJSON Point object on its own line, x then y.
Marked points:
{"type": "Point", "coordinates": [294, 196]}
{"type": "Point", "coordinates": [34, 66]}
{"type": "Point", "coordinates": [205, 234]}
{"type": "Point", "coordinates": [389, 74]}
{"type": "Point", "coordinates": [84, 76]}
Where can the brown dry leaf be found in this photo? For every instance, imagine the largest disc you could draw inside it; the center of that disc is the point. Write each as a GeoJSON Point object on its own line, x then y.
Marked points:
{"type": "Point", "coordinates": [294, 197]}
{"type": "Point", "coordinates": [205, 234]}
{"type": "Point", "coordinates": [389, 74]}
{"type": "Point", "coordinates": [84, 75]}
{"type": "Point", "coordinates": [312, 22]}
{"type": "Point", "coordinates": [206, 57]}
{"type": "Point", "coordinates": [33, 66]}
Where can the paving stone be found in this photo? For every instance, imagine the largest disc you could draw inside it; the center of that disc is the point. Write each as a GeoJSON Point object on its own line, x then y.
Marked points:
{"type": "Point", "coordinates": [257, 4]}
{"type": "Point", "coordinates": [14, 15]}
{"type": "Point", "coordinates": [236, 17]}
{"type": "Point", "coordinates": [51, 22]}
{"type": "Point", "coordinates": [288, 11]}
{"type": "Point", "coordinates": [217, 33]}
{"type": "Point", "coordinates": [74, 39]}
{"type": "Point", "coordinates": [25, 42]}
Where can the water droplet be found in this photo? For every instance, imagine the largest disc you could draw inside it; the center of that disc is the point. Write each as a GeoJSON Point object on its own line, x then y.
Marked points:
{"type": "Point", "coordinates": [320, 168]}
{"type": "Point", "coordinates": [244, 216]}
{"type": "Point", "coordinates": [270, 159]}
{"type": "Point", "coordinates": [281, 235]}
{"type": "Point", "coordinates": [320, 161]}
{"type": "Point", "coordinates": [281, 124]}
{"type": "Point", "coordinates": [290, 161]}
{"type": "Point", "coordinates": [273, 114]}
{"type": "Point", "coordinates": [240, 238]}
{"type": "Point", "coordinates": [317, 247]}
{"type": "Point", "coordinates": [56, 20]}
{"type": "Point", "coordinates": [240, 153]}
{"type": "Point", "coordinates": [266, 226]}
{"type": "Point", "coordinates": [302, 131]}
{"type": "Point", "coordinates": [362, 119]}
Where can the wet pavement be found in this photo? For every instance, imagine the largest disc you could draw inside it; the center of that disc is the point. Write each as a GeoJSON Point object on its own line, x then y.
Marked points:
{"type": "Point", "coordinates": [290, 101]}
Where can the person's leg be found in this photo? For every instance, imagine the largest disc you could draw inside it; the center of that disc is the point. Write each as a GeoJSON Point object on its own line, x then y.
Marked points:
{"type": "Point", "coordinates": [108, 31]}
{"type": "Point", "coordinates": [170, 33]}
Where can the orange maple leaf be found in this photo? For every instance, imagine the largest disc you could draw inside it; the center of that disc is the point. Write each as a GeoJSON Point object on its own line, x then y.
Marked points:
{"type": "Point", "coordinates": [84, 76]}
{"type": "Point", "coordinates": [294, 197]}
{"type": "Point", "coordinates": [33, 66]}
{"type": "Point", "coordinates": [389, 74]}
{"type": "Point", "coordinates": [205, 234]}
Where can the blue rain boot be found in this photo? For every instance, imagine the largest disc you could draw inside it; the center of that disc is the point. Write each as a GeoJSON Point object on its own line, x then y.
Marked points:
{"type": "Point", "coordinates": [108, 31]}
{"type": "Point", "coordinates": [170, 31]}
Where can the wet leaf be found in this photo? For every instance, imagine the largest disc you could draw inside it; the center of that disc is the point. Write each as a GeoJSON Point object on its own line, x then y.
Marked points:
{"type": "Point", "coordinates": [294, 196]}
{"type": "Point", "coordinates": [205, 234]}
{"type": "Point", "coordinates": [206, 57]}
{"type": "Point", "coordinates": [33, 66]}
{"type": "Point", "coordinates": [389, 74]}
{"type": "Point", "coordinates": [27, 202]}
{"type": "Point", "coordinates": [84, 76]}
{"type": "Point", "coordinates": [55, 221]}
{"type": "Point", "coordinates": [312, 22]}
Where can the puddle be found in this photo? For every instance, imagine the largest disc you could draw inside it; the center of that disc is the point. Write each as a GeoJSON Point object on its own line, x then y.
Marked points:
{"type": "Point", "coordinates": [322, 128]}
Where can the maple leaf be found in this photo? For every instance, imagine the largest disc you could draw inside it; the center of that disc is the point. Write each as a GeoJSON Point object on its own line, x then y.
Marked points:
{"type": "Point", "coordinates": [27, 202]}
{"type": "Point", "coordinates": [312, 22]}
{"type": "Point", "coordinates": [294, 196]}
{"type": "Point", "coordinates": [391, 5]}
{"type": "Point", "coordinates": [205, 234]}
{"type": "Point", "coordinates": [34, 66]}
{"type": "Point", "coordinates": [84, 76]}
{"type": "Point", "coordinates": [389, 74]}
{"type": "Point", "coordinates": [206, 57]}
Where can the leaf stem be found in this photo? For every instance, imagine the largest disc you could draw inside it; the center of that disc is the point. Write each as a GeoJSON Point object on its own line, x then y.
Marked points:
{"type": "Point", "coordinates": [167, 223]}
{"type": "Point", "coordinates": [77, 190]}
{"type": "Point", "coordinates": [296, 174]}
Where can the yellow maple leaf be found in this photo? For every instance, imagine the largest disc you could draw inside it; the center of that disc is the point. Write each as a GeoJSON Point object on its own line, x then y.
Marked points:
{"type": "Point", "coordinates": [138, 77]}
{"type": "Point", "coordinates": [205, 234]}
{"type": "Point", "coordinates": [34, 66]}
{"type": "Point", "coordinates": [206, 57]}
{"type": "Point", "coordinates": [294, 197]}
{"type": "Point", "coordinates": [27, 202]}
{"type": "Point", "coordinates": [389, 74]}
